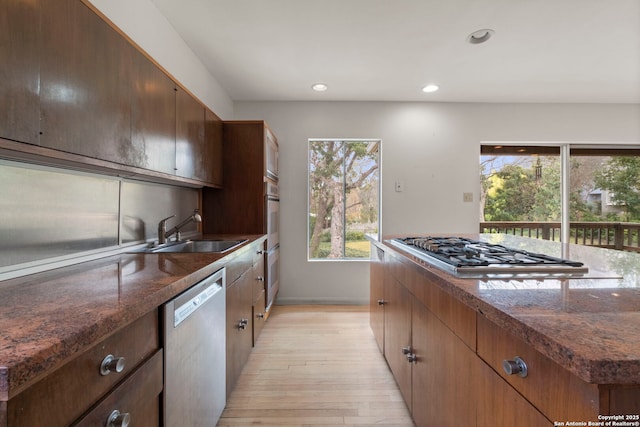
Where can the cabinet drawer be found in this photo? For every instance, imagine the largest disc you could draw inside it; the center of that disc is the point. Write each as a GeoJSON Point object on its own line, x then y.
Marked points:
{"type": "Point", "coordinates": [259, 315]}
{"type": "Point", "coordinates": [258, 284]}
{"type": "Point", "coordinates": [68, 392]}
{"type": "Point", "coordinates": [505, 407]}
{"type": "Point", "coordinates": [258, 254]}
{"type": "Point", "coordinates": [569, 398]}
{"type": "Point", "coordinates": [138, 396]}
{"type": "Point", "coordinates": [238, 265]}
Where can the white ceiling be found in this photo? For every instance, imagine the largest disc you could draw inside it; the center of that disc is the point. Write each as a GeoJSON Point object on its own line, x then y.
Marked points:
{"type": "Point", "coordinates": [387, 50]}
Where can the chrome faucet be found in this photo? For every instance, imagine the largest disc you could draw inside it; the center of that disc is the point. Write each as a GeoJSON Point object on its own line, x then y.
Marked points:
{"type": "Point", "coordinates": [163, 234]}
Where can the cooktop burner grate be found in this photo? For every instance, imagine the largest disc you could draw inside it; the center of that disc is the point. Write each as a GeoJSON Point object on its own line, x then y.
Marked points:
{"type": "Point", "coordinates": [460, 254]}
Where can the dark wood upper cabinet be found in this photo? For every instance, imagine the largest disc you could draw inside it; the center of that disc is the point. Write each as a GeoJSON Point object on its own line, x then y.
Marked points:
{"type": "Point", "coordinates": [153, 114]}
{"type": "Point", "coordinates": [190, 141]}
{"type": "Point", "coordinates": [19, 70]}
{"type": "Point", "coordinates": [85, 92]}
{"type": "Point", "coordinates": [71, 82]}
{"type": "Point", "coordinates": [213, 147]}
{"type": "Point", "coordinates": [242, 206]}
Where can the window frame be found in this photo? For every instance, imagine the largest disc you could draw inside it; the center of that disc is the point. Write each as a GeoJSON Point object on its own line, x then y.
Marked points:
{"type": "Point", "coordinates": [378, 141]}
{"type": "Point", "coordinates": [565, 150]}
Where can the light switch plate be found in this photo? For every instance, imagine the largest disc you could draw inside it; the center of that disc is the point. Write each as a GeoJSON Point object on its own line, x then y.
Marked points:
{"type": "Point", "coordinates": [467, 197]}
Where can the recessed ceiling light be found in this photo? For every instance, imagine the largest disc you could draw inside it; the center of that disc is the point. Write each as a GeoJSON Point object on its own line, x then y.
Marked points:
{"type": "Point", "coordinates": [479, 36]}
{"type": "Point", "coordinates": [430, 88]}
{"type": "Point", "coordinates": [319, 87]}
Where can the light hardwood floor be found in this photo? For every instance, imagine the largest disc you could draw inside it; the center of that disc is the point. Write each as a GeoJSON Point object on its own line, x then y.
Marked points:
{"type": "Point", "coordinates": [316, 366]}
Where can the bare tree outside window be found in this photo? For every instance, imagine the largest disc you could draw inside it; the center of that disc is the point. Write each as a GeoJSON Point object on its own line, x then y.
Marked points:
{"type": "Point", "coordinates": [344, 194]}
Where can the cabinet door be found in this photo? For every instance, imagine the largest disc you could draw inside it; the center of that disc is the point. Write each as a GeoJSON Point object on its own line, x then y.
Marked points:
{"type": "Point", "coordinates": [66, 393]}
{"type": "Point", "coordinates": [153, 118]}
{"type": "Point", "coordinates": [259, 293]}
{"type": "Point", "coordinates": [499, 405]}
{"type": "Point", "coordinates": [259, 316]}
{"type": "Point", "coordinates": [85, 83]}
{"type": "Point", "coordinates": [190, 146]}
{"type": "Point", "coordinates": [443, 378]}
{"type": "Point", "coordinates": [239, 327]}
{"type": "Point", "coordinates": [138, 396]}
{"type": "Point", "coordinates": [213, 147]}
{"type": "Point", "coordinates": [376, 295]}
{"type": "Point", "coordinates": [397, 334]}
{"type": "Point", "coordinates": [20, 70]}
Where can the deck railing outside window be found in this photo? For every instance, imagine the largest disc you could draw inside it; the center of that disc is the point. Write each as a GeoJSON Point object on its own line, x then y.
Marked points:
{"type": "Point", "coordinates": [613, 235]}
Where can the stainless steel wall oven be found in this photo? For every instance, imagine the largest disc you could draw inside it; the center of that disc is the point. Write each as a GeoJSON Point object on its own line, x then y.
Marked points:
{"type": "Point", "coordinates": [273, 240]}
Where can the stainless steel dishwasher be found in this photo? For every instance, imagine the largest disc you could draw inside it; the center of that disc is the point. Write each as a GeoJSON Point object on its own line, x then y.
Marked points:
{"type": "Point", "coordinates": [195, 354]}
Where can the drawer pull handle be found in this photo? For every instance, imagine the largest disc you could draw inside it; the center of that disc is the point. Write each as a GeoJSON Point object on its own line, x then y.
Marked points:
{"type": "Point", "coordinates": [118, 419]}
{"type": "Point", "coordinates": [406, 350]}
{"type": "Point", "coordinates": [242, 325]}
{"type": "Point", "coordinates": [260, 315]}
{"type": "Point", "coordinates": [260, 279]}
{"type": "Point", "coordinates": [381, 302]}
{"type": "Point", "coordinates": [515, 366]}
{"type": "Point", "coordinates": [110, 364]}
{"type": "Point", "coordinates": [412, 358]}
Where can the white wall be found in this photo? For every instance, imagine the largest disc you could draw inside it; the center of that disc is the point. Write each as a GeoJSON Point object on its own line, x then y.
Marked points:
{"type": "Point", "coordinates": [432, 147]}
{"type": "Point", "coordinates": [149, 29]}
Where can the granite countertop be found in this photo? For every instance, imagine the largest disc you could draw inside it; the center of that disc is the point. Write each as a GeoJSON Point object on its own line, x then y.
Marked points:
{"type": "Point", "coordinates": [590, 325]}
{"type": "Point", "coordinates": [47, 318]}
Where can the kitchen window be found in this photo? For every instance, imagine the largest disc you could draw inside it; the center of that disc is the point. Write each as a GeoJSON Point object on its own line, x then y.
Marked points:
{"type": "Point", "coordinates": [343, 198]}
{"type": "Point", "coordinates": [571, 193]}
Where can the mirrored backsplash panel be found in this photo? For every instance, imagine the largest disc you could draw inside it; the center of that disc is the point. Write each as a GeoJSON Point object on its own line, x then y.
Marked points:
{"type": "Point", "coordinates": [46, 213]}
{"type": "Point", "coordinates": [49, 214]}
{"type": "Point", "coordinates": [145, 204]}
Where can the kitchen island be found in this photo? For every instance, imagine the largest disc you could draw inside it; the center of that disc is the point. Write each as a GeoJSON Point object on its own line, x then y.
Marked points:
{"type": "Point", "coordinates": [578, 336]}
{"type": "Point", "coordinates": [58, 325]}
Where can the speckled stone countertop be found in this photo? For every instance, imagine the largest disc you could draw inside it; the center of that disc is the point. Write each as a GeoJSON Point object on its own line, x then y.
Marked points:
{"type": "Point", "coordinates": [47, 318]}
{"type": "Point", "coordinates": [590, 325]}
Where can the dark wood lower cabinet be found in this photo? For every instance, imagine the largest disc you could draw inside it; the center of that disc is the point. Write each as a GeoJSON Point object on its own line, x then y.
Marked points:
{"type": "Point", "coordinates": [397, 334]}
{"type": "Point", "coordinates": [500, 405]}
{"type": "Point", "coordinates": [376, 306]}
{"type": "Point", "coordinates": [137, 397]}
{"type": "Point", "coordinates": [63, 396]}
{"type": "Point", "coordinates": [443, 374]}
{"type": "Point", "coordinates": [239, 326]}
{"type": "Point", "coordinates": [453, 373]}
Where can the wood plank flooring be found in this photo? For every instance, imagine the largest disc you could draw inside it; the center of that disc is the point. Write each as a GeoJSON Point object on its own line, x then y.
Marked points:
{"type": "Point", "coordinates": [316, 366]}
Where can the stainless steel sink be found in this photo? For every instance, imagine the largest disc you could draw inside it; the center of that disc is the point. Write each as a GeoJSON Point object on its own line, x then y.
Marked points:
{"type": "Point", "coordinates": [194, 246]}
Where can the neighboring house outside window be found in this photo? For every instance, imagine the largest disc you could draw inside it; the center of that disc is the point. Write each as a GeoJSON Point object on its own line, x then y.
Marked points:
{"type": "Point", "coordinates": [344, 198]}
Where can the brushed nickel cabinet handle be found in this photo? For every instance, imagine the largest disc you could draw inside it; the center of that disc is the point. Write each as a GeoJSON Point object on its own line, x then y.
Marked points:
{"type": "Point", "coordinates": [118, 419]}
{"type": "Point", "coordinates": [111, 364]}
{"type": "Point", "coordinates": [516, 366]}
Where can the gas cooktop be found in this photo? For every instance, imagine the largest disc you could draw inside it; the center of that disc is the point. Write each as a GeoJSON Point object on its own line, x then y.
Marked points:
{"type": "Point", "coordinates": [467, 257]}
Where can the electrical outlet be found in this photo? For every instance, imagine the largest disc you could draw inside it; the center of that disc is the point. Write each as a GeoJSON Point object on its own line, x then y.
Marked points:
{"type": "Point", "coordinates": [467, 197]}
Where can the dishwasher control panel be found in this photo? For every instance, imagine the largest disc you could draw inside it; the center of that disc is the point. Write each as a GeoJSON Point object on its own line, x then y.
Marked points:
{"type": "Point", "coordinates": [211, 286]}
